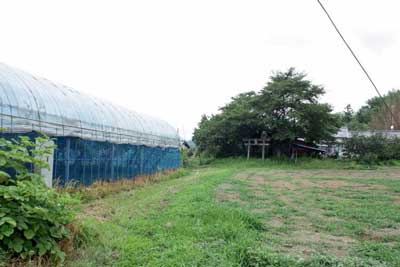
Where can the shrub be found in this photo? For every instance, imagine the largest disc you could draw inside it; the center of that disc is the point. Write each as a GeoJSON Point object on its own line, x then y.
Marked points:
{"type": "Point", "coordinates": [185, 158]}
{"type": "Point", "coordinates": [373, 149]}
{"type": "Point", "coordinates": [33, 217]}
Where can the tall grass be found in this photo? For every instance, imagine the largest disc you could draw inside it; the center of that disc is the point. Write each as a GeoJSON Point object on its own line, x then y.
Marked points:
{"type": "Point", "coordinates": [102, 189]}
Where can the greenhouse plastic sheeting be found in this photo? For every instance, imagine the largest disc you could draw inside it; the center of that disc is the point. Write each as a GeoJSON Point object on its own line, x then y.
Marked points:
{"type": "Point", "coordinates": [84, 162]}
{"type": "Point", "coordinates": [29, 103]}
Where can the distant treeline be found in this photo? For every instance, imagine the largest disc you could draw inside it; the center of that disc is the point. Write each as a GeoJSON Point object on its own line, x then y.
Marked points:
{"type": "Point", "coordinates": [287, 108]}
{"type": "Point", "coordinates": [374, 115]}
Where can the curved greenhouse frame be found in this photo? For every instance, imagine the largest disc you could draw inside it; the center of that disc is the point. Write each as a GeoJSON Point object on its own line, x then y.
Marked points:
{"type": "Point", "coordinates": [95, 139]}
{"type": "Point", "coordinates": [28, 103]}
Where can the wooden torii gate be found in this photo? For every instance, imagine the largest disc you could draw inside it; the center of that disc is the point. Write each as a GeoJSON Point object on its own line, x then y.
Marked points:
{"type": "Point", "coordinates": [263, 142]}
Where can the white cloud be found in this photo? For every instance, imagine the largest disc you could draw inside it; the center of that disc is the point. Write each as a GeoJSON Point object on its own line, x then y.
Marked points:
{"type": "Point", "coordinates": [378, 41]}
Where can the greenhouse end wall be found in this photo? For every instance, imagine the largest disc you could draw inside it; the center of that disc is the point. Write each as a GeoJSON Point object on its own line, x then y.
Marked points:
{"type": "Point", "coordinates": [84, 162]}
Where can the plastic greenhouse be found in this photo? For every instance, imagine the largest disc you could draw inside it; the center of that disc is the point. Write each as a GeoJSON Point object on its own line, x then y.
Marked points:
{"type": "Point", "coordinates": [95, 139]}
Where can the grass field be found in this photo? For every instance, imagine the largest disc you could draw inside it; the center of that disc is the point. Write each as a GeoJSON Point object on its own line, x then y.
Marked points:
{"type": "Point", "coordinates": [238, 213]}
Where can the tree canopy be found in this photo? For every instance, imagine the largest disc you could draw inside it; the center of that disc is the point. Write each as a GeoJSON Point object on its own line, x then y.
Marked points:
{"type": "Point", "coordinates": [375, 115]}
{"type": "Point", "coordinates": [286, 108]}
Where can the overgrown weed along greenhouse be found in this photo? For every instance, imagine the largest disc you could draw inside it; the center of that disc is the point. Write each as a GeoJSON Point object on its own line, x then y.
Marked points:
{"type": "Point", "coordinates": [95, 139]}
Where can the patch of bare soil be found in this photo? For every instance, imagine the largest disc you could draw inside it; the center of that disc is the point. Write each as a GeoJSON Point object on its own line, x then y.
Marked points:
{"type": "Point", "coordinates": [173, 190]}
{"type": "Point", "coordinates": [254, 179]}
{"type": "Point", "coordinates": [228, 197]}
{"type": "Point", "coordinates": [382, 234]}
{"type": "Point", "coordinates": [283, 184]}
{"type": "Point", "coordinates": [337, 183]}
{"type": "Point", "coordinates": [259, 192]}
{"type": "Point", "coordinates": [98, 211]}
{"type": "Point", "coordinates": [243, 176]}
{"type": "Point", "coordinates": [163, 203]}
{"type": "Point", "coordinates": [225, 187]}
{"type": "Point", "coordinates": [261, 210]}
{"type": "Point", "coordinates": [287, 200]}
{"type": "Point", "coordinates": [306, 242]}
{"type": "Point", "coordinates": [396, 200]}
{"type": "Point", "coordinates": [275, 222]}
{"type": "Point", "coordinates": [225, 195]}
{"type": "Point", "coordinates": [300, 180]}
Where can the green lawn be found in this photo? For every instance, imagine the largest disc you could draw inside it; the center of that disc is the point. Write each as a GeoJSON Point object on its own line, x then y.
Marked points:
{"type": "Point", "coordinates": [238, 213]}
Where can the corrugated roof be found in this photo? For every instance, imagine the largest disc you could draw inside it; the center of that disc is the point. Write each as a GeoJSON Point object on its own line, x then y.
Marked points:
{"type": "Point", "coordinates": [344, 133]}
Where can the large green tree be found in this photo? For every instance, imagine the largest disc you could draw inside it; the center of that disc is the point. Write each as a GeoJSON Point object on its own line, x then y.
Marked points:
{"type": "Point", "coordinates": [222, 134]}
{"type": "Point", "coordinates": [286, 108]}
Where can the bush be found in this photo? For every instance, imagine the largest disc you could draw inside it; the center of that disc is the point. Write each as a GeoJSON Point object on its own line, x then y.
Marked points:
{"type": "Point", "coordinates": [185, 158]}
{"type": "Point", "coordinates": [373, 149]}
{"type": "Point", "coordinates": [192, 159]}
{"type": "Point", "coordinates": [33, 217]}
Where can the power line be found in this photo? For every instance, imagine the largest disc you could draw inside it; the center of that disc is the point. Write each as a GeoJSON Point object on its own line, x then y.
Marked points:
{"type": "Point", "coordinates": [359, 63]}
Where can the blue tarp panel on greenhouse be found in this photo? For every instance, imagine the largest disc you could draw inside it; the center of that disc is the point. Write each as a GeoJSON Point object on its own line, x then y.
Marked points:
{"type": "Point", "coordinates": [14, 136]}
{"type": "Point", "coordinates": [84, 161]}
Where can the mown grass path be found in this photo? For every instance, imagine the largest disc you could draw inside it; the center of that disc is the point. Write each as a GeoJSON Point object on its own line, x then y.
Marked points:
{"type": "Point", "coordinates": [238, 213]}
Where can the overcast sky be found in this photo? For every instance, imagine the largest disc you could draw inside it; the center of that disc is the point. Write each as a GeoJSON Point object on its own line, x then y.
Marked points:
{"type": "Point", "coordinates": [178, 60]}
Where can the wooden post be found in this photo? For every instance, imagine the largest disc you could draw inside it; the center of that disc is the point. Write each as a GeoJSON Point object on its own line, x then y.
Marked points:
{"type": "Point", "coordinates": [263, 142]}
{"type": "Point", "coordinates": [46, 173]}
{"type": "Point", "coordinates": [263, 136]}
{"type": "Point", "coordinates": [141, 155]}
{"type": "Point", "coordinates": [67, 150]}
{"type": "Point", "coordinates": [248, 149]}
{"type": "Point", "coordinates": [112, 162]}
{"type": "Point", "coordinates": [263, 149]}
